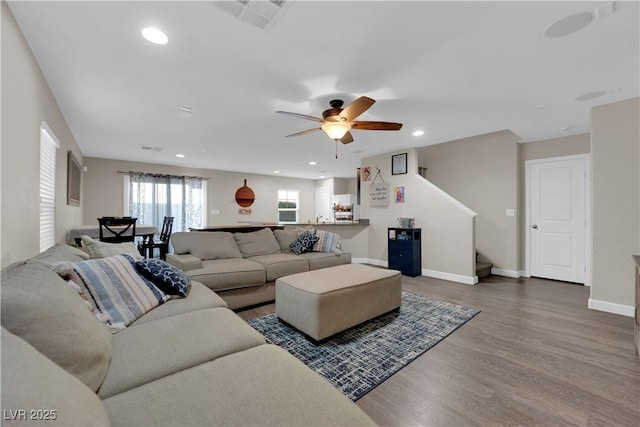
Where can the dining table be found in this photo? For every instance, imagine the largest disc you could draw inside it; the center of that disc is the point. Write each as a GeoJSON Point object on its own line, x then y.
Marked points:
{"type": "Point", "coordinates": [74, 236]}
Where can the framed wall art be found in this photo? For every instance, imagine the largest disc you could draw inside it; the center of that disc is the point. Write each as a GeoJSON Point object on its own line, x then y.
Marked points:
{"type": "Point", "coordinates": [74, 180]}
{"type": "Point", "coordinates": [399, 164]}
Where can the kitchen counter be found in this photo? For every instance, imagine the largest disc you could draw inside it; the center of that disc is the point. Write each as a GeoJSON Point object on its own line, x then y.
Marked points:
{"type": "Point", "coordinates": [253, 226]}
{"type": "Point", "coordinates": [322, 224]}
{"type": "Point", "coordinates": [238, 228]}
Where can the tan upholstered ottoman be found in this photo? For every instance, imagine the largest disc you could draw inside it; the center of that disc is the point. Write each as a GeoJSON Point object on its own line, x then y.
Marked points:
{"type": "Point", "coordinates": [323, 302]}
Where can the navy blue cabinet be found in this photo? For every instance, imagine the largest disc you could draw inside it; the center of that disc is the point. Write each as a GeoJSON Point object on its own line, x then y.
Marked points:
{"type": "Point", "coordinates": [405, 253]}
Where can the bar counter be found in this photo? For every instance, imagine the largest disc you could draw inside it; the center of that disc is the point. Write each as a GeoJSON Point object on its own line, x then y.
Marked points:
{"type": "Point", "coordinates": [249, 227]}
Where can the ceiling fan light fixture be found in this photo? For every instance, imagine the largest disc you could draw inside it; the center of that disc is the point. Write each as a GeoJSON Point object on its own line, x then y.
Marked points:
{"type": "Point", "coordinates": [336, 130]}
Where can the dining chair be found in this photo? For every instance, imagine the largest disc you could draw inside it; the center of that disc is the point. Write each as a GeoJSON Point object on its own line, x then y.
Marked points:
{"type": "Point", "coordinates": [147, 246]}
{"type": "Point", "coordinates": [117, 230]}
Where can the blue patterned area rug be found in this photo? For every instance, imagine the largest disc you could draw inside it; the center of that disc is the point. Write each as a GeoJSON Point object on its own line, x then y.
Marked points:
{"type": "Point", "coordinates": [360, 358]}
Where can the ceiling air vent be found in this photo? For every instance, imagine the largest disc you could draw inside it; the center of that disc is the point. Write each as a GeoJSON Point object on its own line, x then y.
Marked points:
{"type": "Point", "coordinates": [261, 13]}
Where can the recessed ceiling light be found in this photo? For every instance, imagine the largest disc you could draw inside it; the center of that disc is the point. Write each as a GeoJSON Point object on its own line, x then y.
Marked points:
{"type": "Point", "coordinates": [418, 133]}
{"type": "Point", "coordinates": [568, 25]}
{"type": "Point", "coordinates": [154, 35]}
{"type": "Point", "coordinates": [590, 95]}
{"type": "Point", "coordinates": [276, 171]}
{"type": "Point", "coordinates": [322, 176]}
{"type": "Point", "coordinates": [312, 163]}
{"type": "Point", "coordinates": [180, 155]}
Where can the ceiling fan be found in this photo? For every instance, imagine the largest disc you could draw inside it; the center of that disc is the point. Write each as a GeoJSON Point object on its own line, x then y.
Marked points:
{"type": "Point", "coordinates": [337, 122]}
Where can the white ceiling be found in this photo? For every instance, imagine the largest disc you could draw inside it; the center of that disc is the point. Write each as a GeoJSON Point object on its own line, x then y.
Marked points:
{"type": "Point", "coordinates": [453, 69]}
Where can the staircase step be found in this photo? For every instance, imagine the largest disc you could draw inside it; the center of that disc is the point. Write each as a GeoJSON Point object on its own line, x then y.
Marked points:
{"type": "Point", "coordinates": [483, 269]}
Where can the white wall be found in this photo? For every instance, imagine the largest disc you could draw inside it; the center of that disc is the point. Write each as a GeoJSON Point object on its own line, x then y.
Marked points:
{"type": "Point", "coordinates": [26, 101]}
{"type": "Point", "coordinates": [615, 177]}
{"type": "Point", "coordinates": [448, 231]}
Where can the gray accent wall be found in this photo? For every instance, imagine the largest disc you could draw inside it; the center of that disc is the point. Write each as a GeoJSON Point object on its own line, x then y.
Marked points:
{"type": "Point", "coordinates": [615, 174]}
{"type": "Point", "coordinates": [26, 101]}
{"type": "Point", "coordinates": [482, 172]}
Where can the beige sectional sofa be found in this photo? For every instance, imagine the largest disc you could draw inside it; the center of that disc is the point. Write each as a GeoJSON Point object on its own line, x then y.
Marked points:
{"type": "Point", "coordinates": [190, 361]}
{"type": "Point", "coordinates": [243, 267]}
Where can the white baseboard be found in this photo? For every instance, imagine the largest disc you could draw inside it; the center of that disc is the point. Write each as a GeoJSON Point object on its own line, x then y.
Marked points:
{"type": "Point", "coordinates": [467, 280]}
{"type": "Point", "coordinates": [507, 273]}
{"type": "Point", "coordinates": [370, 261]}
{"type": "Point", "coordinates": [611, 307]}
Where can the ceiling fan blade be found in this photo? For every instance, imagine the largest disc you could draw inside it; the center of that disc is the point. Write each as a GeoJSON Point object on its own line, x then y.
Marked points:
{"type": "Point", "coordinates": [347, 138]}
{"type": "Point", "coordinates": [364, 125]}
{"type": "Point", "coordinates": [301, 116]}
{"type": "Point", "coordinates": [304, 132]}
{"type": "Point", "coordinates": [357, 107]}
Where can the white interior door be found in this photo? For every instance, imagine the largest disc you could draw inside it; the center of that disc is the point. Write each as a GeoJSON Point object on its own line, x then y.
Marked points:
{"type": "Point", "coordinates": [323, 204]}
{"type": "Point", "coordinates": [557, 220]}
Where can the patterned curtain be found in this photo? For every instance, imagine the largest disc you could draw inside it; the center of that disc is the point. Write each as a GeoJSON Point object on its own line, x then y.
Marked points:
{"type": "Point", "coordinates": [136, 195]}
{"type": "Point", "coordinates": [152, 197]}
{"type": "Point", "coordinates": [193, 197]}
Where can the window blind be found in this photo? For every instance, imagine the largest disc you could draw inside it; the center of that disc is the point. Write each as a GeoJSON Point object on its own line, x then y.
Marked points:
{"type": "Point", "coordinates": [48, 146]}
{"type": "Point", "coordinates": [288, 206]}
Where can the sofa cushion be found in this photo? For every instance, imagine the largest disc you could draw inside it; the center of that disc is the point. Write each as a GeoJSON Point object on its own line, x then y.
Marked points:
{"type": "Point", "coordinates": [278, 265]}
{"type": "Point", "coordinates": [232, 273]}
{"type": "Point", "coordinates": [60, 252]}
{"type": "Point", "coordinates": [304, 242]}
{"type": "Point", "coordinates": [38, 306]}
{"type": "Point", "coordinates": [318, 260]}
{"type": "Point", "coordinates": [168, 278]}
{"type": "Point", "coordinates": [206, 245]}
{"type": "Point", "coordinates": [263, 385]}
{"type": "Point", "coordinates": [139, 357]}
{"type": "Point", "coordinates": [31, 381]}
{"type": "Point", "coordinates": [200, 298]}
{"type": "Point", "coordinates": [117, 292]}
{"type": "Point", "coordinates": [285, 238]}
{"type": "Point", "coordinates": [327, 242]}
{"type": "Point", "coordinates": [184, 262]}
{"type": "Point", "coordinates": [98, 249]}
{"type": "Point", "coordinates": [261, 242]}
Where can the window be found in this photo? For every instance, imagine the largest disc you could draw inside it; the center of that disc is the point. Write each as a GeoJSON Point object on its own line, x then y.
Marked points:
{"type": "Point", "coordinates": [288, 206]}
{"type": "Point", "coordinates": [48, 146]}
{"type": "Point", "coordinates": [151, 197]}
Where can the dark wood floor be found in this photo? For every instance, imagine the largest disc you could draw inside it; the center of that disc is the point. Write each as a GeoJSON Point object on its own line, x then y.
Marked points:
{"type": "Point", "coordinates": [535, 355]}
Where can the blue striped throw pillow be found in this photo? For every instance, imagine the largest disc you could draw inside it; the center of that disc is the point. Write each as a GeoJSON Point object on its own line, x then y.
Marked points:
{"type": "Point", "coordinates": [117, 293]}
{"type": "Point", "coordinates": [327, 242]}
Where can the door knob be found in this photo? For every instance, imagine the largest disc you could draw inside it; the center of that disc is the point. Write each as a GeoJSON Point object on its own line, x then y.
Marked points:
{"type": "Point", "coordinates": [534, 226]}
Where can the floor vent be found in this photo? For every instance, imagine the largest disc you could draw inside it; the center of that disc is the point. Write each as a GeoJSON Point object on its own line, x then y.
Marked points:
{"type": "Point", "coordinates": [261, 13]}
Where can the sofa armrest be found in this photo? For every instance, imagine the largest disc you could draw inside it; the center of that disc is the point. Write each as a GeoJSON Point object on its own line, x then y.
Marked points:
{"type": "Point", "coordinates": [184, 262]}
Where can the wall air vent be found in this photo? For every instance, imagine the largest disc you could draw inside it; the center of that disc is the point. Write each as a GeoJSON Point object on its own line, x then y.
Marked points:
{"type": "Point", "coordinates": [261, 13]}
{"type": "Point", "coordinates": [150, 148]}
